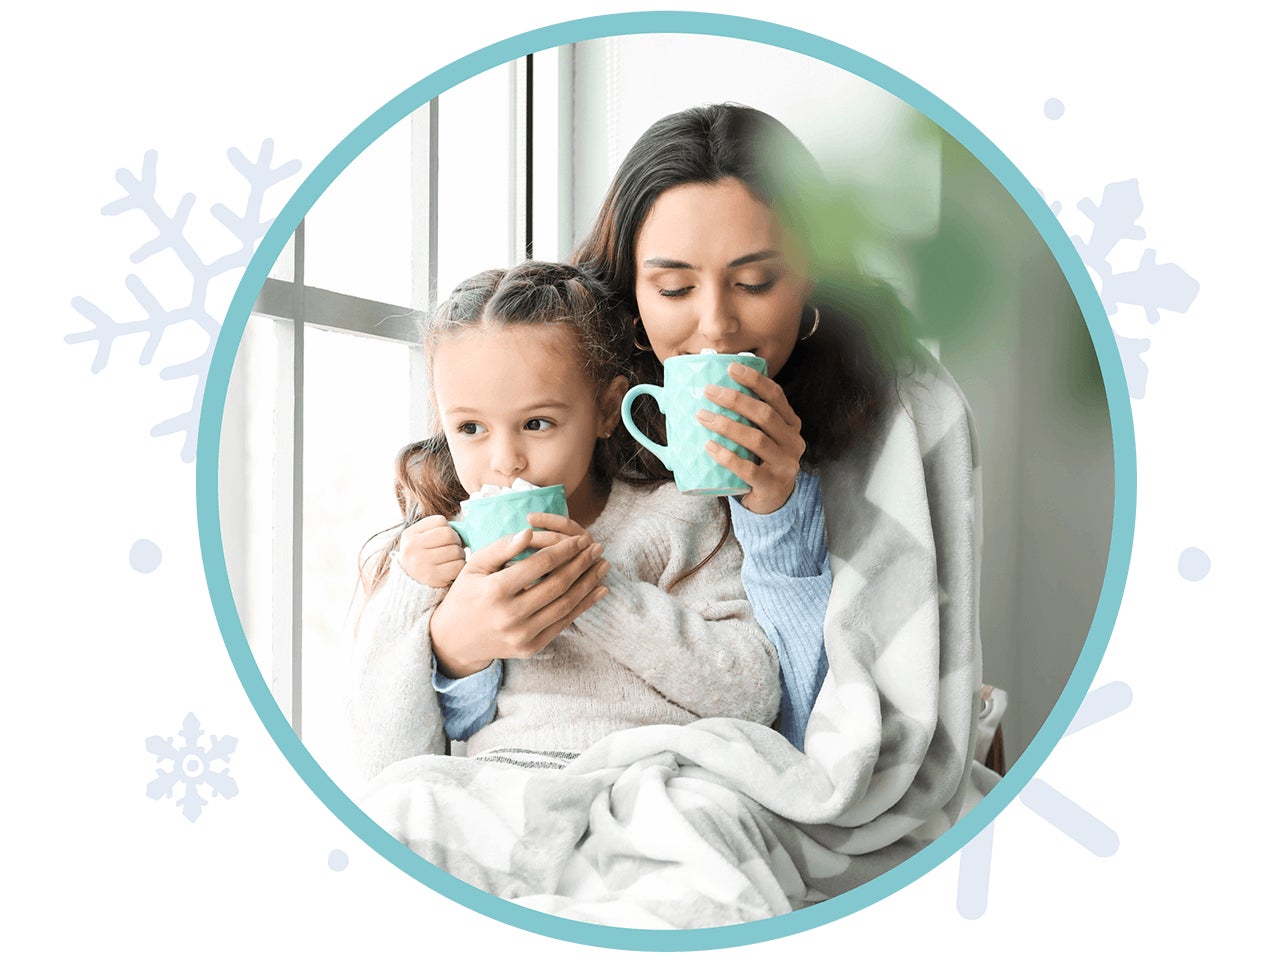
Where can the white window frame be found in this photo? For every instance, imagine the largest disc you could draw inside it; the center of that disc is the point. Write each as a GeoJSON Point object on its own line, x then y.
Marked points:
{"type": "Point", "coordinates": [539, 224]}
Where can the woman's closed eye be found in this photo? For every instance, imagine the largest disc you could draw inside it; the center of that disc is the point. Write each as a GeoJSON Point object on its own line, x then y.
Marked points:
{"type": "Point", "coordinates": [763, 287]}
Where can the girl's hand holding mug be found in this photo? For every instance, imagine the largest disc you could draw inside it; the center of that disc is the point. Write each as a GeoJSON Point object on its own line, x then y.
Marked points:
{"type": "Point", "coordinates": [774, 438]}
{"type": "Point", "coordinates": [431, 553]}
{"type": "Point", "coordinates": [494, 611]}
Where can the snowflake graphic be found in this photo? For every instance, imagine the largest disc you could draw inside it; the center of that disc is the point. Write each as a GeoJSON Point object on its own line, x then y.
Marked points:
{"type": "Point", "coordinates": [196, 313]}
{"type": "Point", "coordinates": [193, 766]}
{"type": "Point", "coordinates": [1151, 287]}
{"type": "Point", "coordinates": [1050, 805]}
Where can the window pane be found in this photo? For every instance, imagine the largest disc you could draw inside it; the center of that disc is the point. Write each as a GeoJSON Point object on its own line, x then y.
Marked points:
{"type": "Point", "coordinates": [356, 395]}
{"type": "Point", "coordinates": [282, 269]}
{"type": "Point", "coordinates": [245, 483]}
{"type": "Point", "coordinates": [475, 180]}
{"type": "Point", "coordinates": [358, 231]}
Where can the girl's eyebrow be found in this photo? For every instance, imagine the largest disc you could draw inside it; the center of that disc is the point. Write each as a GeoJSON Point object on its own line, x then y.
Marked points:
{"type": "Point", "coordinates": [665, 263]}
{"type": "Point", "coordinates": [547, 404]}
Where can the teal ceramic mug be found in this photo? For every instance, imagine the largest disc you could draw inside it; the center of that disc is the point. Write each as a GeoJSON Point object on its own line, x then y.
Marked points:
{"type": "Point", "coordinates": [488, 519]}
{"type": "Point", "coordinates": [680, 398]}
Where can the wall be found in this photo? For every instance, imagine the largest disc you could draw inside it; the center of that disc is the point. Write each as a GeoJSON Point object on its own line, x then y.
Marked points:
{"type": "Point", "coordinates": [1011, 333]}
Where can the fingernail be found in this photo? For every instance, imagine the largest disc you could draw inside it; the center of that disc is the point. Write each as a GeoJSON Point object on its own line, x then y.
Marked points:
{"type": "Point", "coordinates": [597, 551]}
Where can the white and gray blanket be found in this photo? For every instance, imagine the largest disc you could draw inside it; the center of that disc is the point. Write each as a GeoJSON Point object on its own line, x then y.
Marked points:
{"type": "Point", "coordinates": [723, 821]}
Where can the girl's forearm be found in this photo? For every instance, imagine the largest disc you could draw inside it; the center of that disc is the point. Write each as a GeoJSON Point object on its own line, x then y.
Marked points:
{"type": "Point", "coordinates": [392, 708]}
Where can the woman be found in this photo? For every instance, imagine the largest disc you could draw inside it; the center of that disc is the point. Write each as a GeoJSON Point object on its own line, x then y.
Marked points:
{"type": "Point", "coordinates": [710, 232]}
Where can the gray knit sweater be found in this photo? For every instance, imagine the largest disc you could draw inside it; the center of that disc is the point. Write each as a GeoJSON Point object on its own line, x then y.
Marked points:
{"type": "Point", "coordinates": [652, 651]}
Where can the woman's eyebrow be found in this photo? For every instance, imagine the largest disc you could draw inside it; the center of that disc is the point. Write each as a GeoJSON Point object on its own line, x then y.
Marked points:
{"type": "Point", "coordinates": [754, 258]}
{"type": "Point", "coordinates": [666, 263]}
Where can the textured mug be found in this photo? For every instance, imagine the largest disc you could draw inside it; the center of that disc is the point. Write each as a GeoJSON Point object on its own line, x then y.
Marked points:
{"type": "Point", "coordinates": [487, 519]}
{"type": "Point", "coordinates": [680, 398]}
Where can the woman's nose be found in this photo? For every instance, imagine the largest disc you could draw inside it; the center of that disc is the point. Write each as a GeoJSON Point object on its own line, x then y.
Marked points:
{"type": "Point", "coordinates": [717, 322]}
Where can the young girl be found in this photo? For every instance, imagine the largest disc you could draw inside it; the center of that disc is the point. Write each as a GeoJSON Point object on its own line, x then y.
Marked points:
{"type": "Point", "coordinates": [553, 652]}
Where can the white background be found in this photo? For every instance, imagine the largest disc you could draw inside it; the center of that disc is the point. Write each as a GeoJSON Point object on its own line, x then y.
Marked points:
{"type": "Point", "coordinates": [98, 656]}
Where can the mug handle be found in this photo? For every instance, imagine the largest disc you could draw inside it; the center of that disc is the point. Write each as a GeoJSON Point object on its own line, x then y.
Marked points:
{"type": "Point", "coordinates": [461, 531]}
{"type": "Point", "coordinates": [641, 389]}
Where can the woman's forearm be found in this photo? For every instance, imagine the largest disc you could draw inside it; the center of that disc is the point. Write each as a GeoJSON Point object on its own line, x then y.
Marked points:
{"type": "Point", "coordinates": [787, 576]}
{"type": "Point", "coordinates": [711, 659]}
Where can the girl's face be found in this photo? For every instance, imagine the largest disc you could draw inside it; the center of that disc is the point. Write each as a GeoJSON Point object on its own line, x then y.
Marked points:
{"type": "Point", "coordinates": [514, 402]}
{"type": "Point", "coordinates": [714, 268]}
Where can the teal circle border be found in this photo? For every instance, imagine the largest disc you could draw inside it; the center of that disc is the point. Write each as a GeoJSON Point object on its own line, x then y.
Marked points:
{"type": "Point", "coordinates": [591, 28]}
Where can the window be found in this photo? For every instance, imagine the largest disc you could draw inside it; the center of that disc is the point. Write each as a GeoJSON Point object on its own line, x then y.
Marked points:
{"type": "Point", "coordinates": [329, 380]}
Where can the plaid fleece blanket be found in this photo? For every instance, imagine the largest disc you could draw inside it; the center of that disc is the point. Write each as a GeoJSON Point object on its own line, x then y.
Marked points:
{"type": "Point", "coordinates": [723, 821]}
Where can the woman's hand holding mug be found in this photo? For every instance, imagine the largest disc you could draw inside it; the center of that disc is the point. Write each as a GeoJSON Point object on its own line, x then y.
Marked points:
{"type": "Point", "coordinates": [773, 435]}
{"type": "Point", "coordinates": [682, 399]}
{"type": "Point", "coordinates": [494, 611]}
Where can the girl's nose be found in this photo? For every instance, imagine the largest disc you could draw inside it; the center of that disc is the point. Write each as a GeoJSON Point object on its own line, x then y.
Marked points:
{"type": "Point", "coordinates": [508, 458]}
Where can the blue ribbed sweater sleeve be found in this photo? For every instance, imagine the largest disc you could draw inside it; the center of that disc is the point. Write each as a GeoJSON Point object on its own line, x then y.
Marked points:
{"type": "Point", "coordinates": [787, 574]}
{"type": "Point", "coordinates": [466, 703]}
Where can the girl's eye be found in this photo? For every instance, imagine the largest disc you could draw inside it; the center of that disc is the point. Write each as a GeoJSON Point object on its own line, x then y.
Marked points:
{"type": "Point", "coordinates": [538, 423]}
{"type": "Point", "coordinates": [673, 293]}
{"type": "Point", "coordinates": [758, 287]}
{"type": "Point", "coordinates": [470, 429]}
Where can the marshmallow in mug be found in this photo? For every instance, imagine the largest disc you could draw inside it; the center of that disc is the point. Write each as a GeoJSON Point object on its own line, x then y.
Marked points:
{"type": "Point", "coordinates": [496, 490]}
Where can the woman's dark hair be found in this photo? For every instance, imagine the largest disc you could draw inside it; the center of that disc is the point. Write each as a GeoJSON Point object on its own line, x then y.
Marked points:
{"type": "Point", "coordinates": [529, 294]}
{"type": "Point", "coordinates": [839, 379]}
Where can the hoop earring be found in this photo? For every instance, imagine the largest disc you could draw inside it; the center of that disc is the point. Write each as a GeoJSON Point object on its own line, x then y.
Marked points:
{"type": "Point", "coordinates": [817, 318]}
{"type": "Point", "coordinates": [635, 337]}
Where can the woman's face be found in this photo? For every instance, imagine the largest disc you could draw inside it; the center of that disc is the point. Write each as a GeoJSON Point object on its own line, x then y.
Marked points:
{"type": "Point", "coordinates": [715, 269]}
